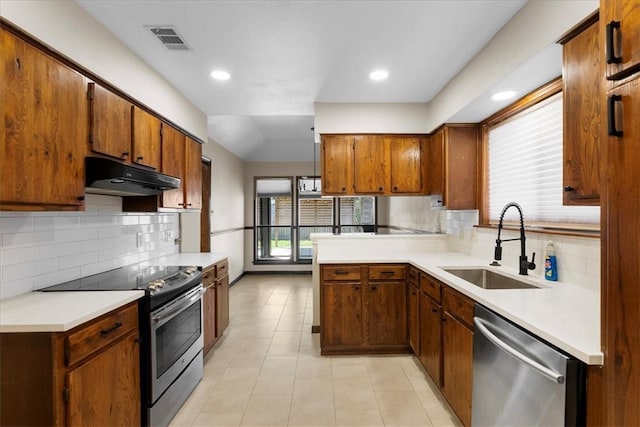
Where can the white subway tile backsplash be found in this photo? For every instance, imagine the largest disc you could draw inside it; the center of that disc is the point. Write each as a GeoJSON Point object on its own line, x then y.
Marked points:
{"type": "Point", "coordinates": [39, 249]}
{"type": "Point", "coordinates": [15, 255]}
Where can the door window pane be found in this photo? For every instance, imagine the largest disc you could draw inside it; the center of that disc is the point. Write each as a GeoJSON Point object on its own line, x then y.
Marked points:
{"type": "Point", "coordinates": [273, 219]}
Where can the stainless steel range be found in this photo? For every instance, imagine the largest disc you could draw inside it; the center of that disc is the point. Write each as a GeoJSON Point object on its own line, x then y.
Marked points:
{"type": "Point", "coordinates": [170, 317]}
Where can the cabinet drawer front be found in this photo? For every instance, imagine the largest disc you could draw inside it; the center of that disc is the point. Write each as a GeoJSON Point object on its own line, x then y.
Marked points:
{"type": "Point", "coordinates": [387, 272]}
{"type": "Point", "coordinates": [87, 340]}
{"type": "Point", "coordinates": [458, 305]}
{"type": "Point", "coordinates": [341, 272]}
{"type": "Point", "coordinates": [414, 276]}
{"type": "Point", "coordinates": [208, 275]}
{"type": "Point", "coordinates": [222, 268]}
{"type": "Point", "coordinates": [430, 287]}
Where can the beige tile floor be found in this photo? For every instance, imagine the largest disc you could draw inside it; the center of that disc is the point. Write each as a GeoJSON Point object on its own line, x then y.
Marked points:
{"type": "Point", "coordinates": [267, 370]}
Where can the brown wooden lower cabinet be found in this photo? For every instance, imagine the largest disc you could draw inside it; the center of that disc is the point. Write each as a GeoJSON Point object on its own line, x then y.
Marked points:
{"type": "Point", "coordinates": [413, 307]}
{"type": "Point", "coordinates": [457, 372]}
{"type": "Point", "coordinates": [431, 338]}
{"type": "Point", "coordinates": [82, 377]}
{"type": "Point", "coordinates": [215, 317]}
{"type": "Point", "coordinates": [363, 309]}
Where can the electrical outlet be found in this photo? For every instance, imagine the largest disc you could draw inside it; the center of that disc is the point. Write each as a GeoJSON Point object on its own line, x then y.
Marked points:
{"type": "Point", "coordinates": [139, 239]}
{"type": "Point", "coordinates": [168, 235]}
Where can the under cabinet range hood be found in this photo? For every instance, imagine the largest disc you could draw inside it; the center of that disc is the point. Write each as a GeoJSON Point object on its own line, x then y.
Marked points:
{"type": "Point", "coordinates": [106, 176]}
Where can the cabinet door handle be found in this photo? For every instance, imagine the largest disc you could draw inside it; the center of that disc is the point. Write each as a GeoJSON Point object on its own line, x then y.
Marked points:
{"type": "Point", "coordinates": [611, 115]}
{"type": "Point", "coordinates": [568, 189]}
{"type": "Point", "coordinates": [610, 48]}
{"type": "Point", "coordinates": [357, 288]}
{"type": "Point", "coordinates": [180, 204]}
{"type": "Point", "coordinates": [105, 332]}
{"type": "Point", "coordinates": [344, 189]}
{"type": "Point", "coordinates": [139, 158]}
{"type": "Point", "coordinates": [435, 310]}
{"type": "Point", "coordinates": [413, 293]}
{"type": "Point", "coordinates": [379, 188]}
{"type": "Point", "coordinates": [125, 154]}
{"type": "Point", "coordinates": [373, 288]}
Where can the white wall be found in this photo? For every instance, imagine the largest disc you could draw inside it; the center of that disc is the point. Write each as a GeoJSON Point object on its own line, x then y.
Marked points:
{"type": "Point", "coordinates": [370, 118]}
{"type": "Point", "coordinates": [227, 205]}
{"type": "Point", "coordinates": [39, 249]}
{"type": "Point", "coordinates": [252, 170]}
{"type": "Point", "coordinates": [67, 28]}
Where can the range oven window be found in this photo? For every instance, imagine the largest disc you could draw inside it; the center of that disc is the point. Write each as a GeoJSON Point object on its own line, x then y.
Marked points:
{"type": "Point", "coordinates": [176, 336]}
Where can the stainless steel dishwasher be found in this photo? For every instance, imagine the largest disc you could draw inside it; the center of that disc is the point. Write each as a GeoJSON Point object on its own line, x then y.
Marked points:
{"type": "Point", "coordinates": [519, 380]}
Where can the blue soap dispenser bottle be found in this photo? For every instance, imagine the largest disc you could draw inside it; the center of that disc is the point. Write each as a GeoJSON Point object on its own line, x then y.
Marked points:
{"type": "Point", "coordinates": [550, 263]}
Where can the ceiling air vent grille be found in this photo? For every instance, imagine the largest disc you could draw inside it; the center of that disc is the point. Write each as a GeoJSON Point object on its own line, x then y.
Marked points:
{"type": "Point", "coordinates": [168, 36]}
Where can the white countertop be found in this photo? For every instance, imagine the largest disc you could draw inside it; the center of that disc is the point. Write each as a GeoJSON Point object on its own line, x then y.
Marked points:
{"type": "Point", "coordinates": [565, 315]}
{"type": "Point", "coordinates": [59, 311]}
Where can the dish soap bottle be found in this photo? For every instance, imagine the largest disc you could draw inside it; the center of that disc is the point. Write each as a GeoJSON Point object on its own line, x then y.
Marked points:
{"type": "Point", "coordinates": [550, 263]}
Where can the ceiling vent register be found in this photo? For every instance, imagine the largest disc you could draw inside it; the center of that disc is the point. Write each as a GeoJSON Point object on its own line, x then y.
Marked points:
{"type": "Point", "coordinates": [169, 37]}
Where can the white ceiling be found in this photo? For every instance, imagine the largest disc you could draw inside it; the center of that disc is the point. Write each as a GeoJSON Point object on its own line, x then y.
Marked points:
{"type": "Point", "coordinates": [285, 55]}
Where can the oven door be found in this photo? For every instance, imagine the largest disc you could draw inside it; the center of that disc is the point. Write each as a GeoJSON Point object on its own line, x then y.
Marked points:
{"type": "Point", "coordinates": [176, 339]}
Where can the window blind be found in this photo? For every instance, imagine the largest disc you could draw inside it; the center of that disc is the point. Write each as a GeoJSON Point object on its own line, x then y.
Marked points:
{"type": "Point", "coordinates": [525, 166]}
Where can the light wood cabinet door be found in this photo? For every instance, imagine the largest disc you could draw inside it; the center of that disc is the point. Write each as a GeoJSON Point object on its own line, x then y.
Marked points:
{"type": "Point", "coordinates": [173, 163]}
{"type": "Point", "coordinates": [431, 338]}
{"type": "Point", "coordinates": [342, 314]}
{"type": "Point", "coordinates": [43, 130]}
{"type": "Point", "coordinates": [106, 390]}
{"type": "Point", "coordinates": [109, 123]}
{"type": "Point", "coordinates": [193, 175]}
{"type": "Point", "coordinates": [387, 313]}
{"type": "Point", "coordinates": [337, 164]}
{"type": "Point", "coordinates": [620, 27]}
{"type": "Point", "coordinates": [582, 94]}
{"type": "Point", "coordinates": [457, 350]}
{"type": "Point", "coordinates": [369, 164]}
{"type": "Point", "coordinates": [406, 165]}
{"type": "Point", "coordinates": [146, 139]}
{"type": "Point", "coordinates": [413, 306]}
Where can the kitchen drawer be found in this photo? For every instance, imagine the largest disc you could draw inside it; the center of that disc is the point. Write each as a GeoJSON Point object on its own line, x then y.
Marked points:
{"type": "Point", "coordinates": [209, 275]}
{"type": "Point", "coordinates": [222, 268]}
{"type": "Point", "coordinates": [458, 305]}
{"type": "Point", "coordinates": [340, 272]}
{"type": "Point", "coordinates": [89, 339]}
{"type": "Point", "coordinates": [414, 276]}
{"type": "Point", "coordinates": [430, 287]}
{"type": "Point", "coordinates": [387, 272]}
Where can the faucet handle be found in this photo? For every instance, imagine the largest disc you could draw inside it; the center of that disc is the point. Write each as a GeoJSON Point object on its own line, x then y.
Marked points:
{"type": "Point", "coordinates": [532, 264]}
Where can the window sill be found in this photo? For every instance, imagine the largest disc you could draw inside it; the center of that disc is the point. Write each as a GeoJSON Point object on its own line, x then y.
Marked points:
{"type": "Point", "coordinates": [595, 234]}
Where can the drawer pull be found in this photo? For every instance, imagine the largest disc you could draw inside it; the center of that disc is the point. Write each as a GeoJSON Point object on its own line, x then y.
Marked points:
{"type": "Point", "coordinates": [105, 332]}
{"type": "Point", "coordinates": [387, 272]}
{"type": "Point", "coordinates": [340, 272]}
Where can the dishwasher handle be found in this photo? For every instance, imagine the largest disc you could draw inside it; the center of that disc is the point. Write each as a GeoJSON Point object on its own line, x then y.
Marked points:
{"type": "Point", "coordinates": [549, 373]}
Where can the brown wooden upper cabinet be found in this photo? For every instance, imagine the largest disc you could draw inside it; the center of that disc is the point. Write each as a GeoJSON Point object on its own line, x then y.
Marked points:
{"type": "Point", "coordinates": [407, 164]}
{"type": "Point", "coordinates": [109, 123]}
{"type": "Point", "coordinates": [43, 141]}
{"type": "Point", "coordinates": [337, 164]}
{"type": "Point", "coordinates": [373, 164]}
{"type": "Point", "coordinates": [452, 165]}
{"type": "Point", "coordinates": [182, 158]}
{"type": "Point", "coordinates": [582, 70]}
{"type": "Point", "coordinates": [620, 23]}
{"type": "Point", "coordinates": [369, 164]}
{"type": "Point", "coordinates": [146, 138]}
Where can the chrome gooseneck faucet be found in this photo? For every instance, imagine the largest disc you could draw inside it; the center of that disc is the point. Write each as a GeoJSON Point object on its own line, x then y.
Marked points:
{"type": "Point", "coordinates": [497, 256]}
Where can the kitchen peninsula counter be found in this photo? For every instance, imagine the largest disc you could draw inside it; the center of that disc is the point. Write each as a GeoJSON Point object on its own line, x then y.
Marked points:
{"type": "Point", "coordinates": [565, 315]}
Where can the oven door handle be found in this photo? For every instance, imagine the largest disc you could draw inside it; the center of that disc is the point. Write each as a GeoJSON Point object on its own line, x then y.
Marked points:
{"type": "Point", "coordinates": [167, 313]}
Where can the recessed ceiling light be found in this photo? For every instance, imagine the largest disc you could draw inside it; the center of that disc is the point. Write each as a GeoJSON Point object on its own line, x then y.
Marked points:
{"type": "Point", "coordinates": [220, 75]}
{"type": "Point", "coordinates": [379, 75]}
{"type": "Point", "coordinates": [501, 96]}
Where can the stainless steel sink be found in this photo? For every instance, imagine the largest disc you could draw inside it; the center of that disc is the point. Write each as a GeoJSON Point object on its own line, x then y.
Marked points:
{"type": "Point", "coordinates": [489, 279]}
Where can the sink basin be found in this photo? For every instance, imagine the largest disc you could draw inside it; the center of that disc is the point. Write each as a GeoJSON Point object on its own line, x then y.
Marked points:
{"type": "Point", "coordinates": [489, 279]}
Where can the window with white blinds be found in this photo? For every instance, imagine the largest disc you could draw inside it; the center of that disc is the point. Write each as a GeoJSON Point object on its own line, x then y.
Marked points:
{"type": "Point", "coordinates": [525, 166]}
